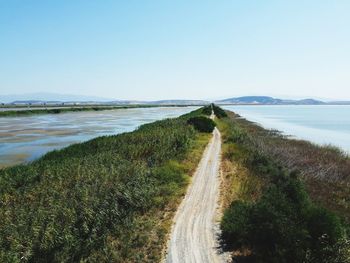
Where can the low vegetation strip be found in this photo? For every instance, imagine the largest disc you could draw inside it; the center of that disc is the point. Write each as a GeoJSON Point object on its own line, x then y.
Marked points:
{"type": "Point", "coordinates": [110, 199]}
{"type": "Point", "coordinates": [15, 113]}
{"type": "Point", "coordinates": [63, 109]}
{"type": "Point", "coordinates": [269, 216]}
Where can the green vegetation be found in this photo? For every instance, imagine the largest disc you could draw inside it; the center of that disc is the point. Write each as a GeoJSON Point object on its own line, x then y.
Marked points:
{"type": "Point", "coordinates": [220, 113]}
{"type": "Point", "coordinates": [202, 124]}
{"type": "Point", "coordinates": [14, 113]}
{"type": "Point", "coordinates": [110, 199]}
{"type": "Point", "coordinates": [207, 110]}
{"type": "Point", "coordinates": [269, 215]}
{"type": "Point", "coordinates": [284, 226]}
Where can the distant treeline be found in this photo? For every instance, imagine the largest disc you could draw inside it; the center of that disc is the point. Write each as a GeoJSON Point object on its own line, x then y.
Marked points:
{"type": "Point", "coordinates": [110, 199]}
{"type": "Point", "coordinates": [269, 179]}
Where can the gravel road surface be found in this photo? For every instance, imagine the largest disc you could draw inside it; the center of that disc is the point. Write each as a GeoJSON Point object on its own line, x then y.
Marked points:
{"type": "Point", "coordinates": [193, 236]}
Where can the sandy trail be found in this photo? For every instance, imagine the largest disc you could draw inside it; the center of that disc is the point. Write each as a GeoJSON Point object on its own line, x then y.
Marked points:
{"type": "Point", "coordinates": [193, 237]}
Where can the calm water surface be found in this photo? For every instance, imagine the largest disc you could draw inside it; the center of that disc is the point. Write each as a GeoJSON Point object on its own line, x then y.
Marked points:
{"type": "Point", "coordinates": [322, 124]}
{"type": "Point", "coordinates": [24, 139]}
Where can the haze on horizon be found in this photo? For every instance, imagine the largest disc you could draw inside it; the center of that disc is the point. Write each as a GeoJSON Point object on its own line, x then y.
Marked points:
{"type": "Point", "coordinates": [150, 50]}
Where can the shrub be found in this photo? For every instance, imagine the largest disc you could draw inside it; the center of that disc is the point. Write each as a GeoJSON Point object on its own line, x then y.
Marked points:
{"type": "Point", "coordinates": [283, 226]}
{"type": "Point", "coordinates": [234, 225]}
{"type": "Point", "coordinates": [207, 110]}
{"type": "Point", "coordinates": [202, 124]}
{"type": "Point", "coordinates": [55, 111]}
{"type": "Point", "coordinates": [220, 113]}
{"type": "Point", "coordinates": [325, 229]}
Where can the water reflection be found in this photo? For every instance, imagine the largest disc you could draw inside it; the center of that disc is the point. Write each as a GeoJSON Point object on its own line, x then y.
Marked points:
{"type": "Point", "coordinates": [322, 124]}
{"type": "Point", "coordinates": [27, 138]}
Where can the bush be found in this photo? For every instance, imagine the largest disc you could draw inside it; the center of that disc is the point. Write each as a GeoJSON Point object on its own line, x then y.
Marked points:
{"type": "Point", "coordinates": [55, 111]}
{"type": "Point", "coordinates": [325, 230]}
{"type": "Point", "coordinates": [234, 225]}
{"type": "Point", "coordinates": [207, 110]}
{"type": "Point", "coordinates": [220, 113]}
{"type": "Point", "coordinates": [202, 124]}
{"type": "Point", "coordinates": [283, 226]}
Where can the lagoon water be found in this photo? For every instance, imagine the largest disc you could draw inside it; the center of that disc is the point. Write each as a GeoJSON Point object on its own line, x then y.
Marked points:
{"type": "Point", "coordinates": [321, 124]}
{"type": "Point", "coordinates": [24, 139]}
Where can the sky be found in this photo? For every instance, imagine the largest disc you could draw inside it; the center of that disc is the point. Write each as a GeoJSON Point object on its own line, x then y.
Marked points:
{"type": "Point", "coordinates": [184, 49]}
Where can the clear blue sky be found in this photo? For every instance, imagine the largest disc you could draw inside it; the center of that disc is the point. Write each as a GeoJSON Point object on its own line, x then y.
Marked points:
{"type": "Point", "coordinates": [176, 49]}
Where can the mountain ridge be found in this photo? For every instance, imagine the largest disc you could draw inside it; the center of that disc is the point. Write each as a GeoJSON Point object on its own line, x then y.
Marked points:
{"type": "Point", "coordinates": [267, 100]}
{"type": "Point", "coordinates": [56, 99]}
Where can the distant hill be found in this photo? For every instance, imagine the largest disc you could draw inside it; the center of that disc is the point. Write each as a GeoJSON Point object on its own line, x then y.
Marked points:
{"type": "Point", "coordinates": [119, 102]}
{"type": "Point", "coordinates": [43, 98]}
{"type": "Point", "coordinates": [265, 100]}
{"type": "Point", "coordinates": [309, 102]}
{"type": "Point", "coordinates": [251, 100]}
{"type": "Point", "coordinates": [59, 99]}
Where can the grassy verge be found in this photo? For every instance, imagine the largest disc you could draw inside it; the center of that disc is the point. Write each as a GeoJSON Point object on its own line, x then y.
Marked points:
{"type": "Point", "coordinates": [274, 197]}
{"type": "Point", "coordinates": [110, 199]}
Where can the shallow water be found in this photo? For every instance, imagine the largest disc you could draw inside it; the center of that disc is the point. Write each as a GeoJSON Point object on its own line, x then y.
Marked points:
{"type": "Point", "coordinates": [24, 139]}
{"type": "Point", "coordinates": [321, 124]}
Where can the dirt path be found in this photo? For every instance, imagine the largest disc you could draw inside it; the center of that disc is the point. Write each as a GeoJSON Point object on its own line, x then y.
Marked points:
{"type": "Point", "coordinates": [193, 237]}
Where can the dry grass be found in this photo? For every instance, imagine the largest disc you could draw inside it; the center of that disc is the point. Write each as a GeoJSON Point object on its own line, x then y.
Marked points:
{"type": "Point", "coordinates": [238, 183]}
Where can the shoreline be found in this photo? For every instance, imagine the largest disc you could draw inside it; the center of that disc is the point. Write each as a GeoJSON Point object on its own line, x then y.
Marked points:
{"type": "Point", "coordinates": [305, 126]}
{"type": "Point", "coordinates": [64, 109]}
{"type": "Point", "coordinates": [24, 139]}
